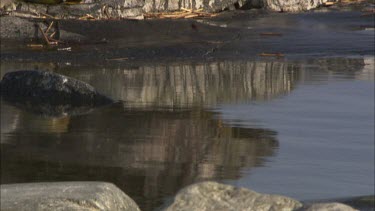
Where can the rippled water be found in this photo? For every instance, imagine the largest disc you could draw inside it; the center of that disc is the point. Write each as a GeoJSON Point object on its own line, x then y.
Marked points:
{"type": "Point", "coordinates": [303, 129]}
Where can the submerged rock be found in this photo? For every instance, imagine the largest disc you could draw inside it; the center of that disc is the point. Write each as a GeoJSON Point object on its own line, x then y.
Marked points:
{"type": "Point", "coordinates": [65, 196]}
{"type": "Point", "coordinates": [209, 196]}
{"type": "Point", "coordinates": [41, 87]}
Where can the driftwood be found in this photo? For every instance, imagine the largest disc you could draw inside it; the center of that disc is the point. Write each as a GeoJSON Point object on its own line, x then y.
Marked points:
{"type": "Point", "coordinates": [271, 54]}
{"type": "Point", "coordinates": [181, 14]}
{"type": "Point", "coordinates": [48, 38]}
{"type": "Point", "coordinates": [270, 34]}
{"type": "Point", "coordinates": [87, 17]}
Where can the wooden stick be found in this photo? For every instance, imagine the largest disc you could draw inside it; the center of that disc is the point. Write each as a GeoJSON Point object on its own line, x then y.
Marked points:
{"type": "Point", "coordinates": [35, 45]}
{"type": "Point", "coordinates": [270, 34]}
{"type": "Point", "coordinates": [272, 54]}
{"type": "Point", "coordinates": [44, 35]}
{"type": "Point", "coordinates": [118, 59]}
{"type": "Point", "coordinates": [49, 27]}
{"type": "Point", "coordinates": [191, 16]}
{"type": "Point", "coordinates": [51, 35]}
{"type": "Point", "coordinates": [49, 16]}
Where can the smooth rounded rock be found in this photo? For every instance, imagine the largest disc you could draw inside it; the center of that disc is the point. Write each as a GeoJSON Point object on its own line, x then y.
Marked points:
{"type": "Point", "coordinates": [73, 196]}
{"type": "Point", "coordinates": [212, 196]}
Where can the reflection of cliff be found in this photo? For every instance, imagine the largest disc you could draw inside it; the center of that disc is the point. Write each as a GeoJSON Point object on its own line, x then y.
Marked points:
{"type": "Point", "coordinates": [146, 153]}
{"type": "Point", "coordinates": [323, 69]}
{"type": "Point", "coordinates": [193, 84]}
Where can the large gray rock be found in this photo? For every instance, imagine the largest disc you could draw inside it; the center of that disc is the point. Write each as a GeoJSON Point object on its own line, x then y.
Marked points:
{"type": "Point", "coordinates": [80, 196]}
{"type": "Point", "coordinates": [134, 9]}
{"type": "Point", "coordinates": [42, 87]}
{"type": "Point", "coordinates": [216, 6]}
{"type": "Point", "coordinates": [286, 5]}
{"type": "Point", "coordinates": [207, 5]}
{"type": "Point", "coordinates": [334, 206]}
{"type": "Point", "coordinates": [213, 196]}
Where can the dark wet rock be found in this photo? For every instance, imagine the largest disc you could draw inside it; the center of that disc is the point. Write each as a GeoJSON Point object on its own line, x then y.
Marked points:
{"type": "Point", "coordinates": [41, 87]}
{"type": "Point", "coordinates": [209, 196]}
{"type": "Point", "coordinates": [65, 196]}
{"type": "Point", "coordinates": [17, 28]}
{"type": "Point", "coordinates": [334, 206]}
{"type": "Point", "coordinates": [364, 203]}
{"type": "Point", "coordinates": [56, 111]}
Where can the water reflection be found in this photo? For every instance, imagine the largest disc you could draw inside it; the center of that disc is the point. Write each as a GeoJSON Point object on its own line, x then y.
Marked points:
{"type": "Point", "coordinates": [148, 154]}
{"type": "Point", "coordinates": [192, 84]}
{"type": "Point", "coordinates": [163, 136]}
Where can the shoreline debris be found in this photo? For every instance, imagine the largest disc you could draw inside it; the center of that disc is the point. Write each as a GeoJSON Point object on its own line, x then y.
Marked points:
{"type": "Point", "coordinates": [271, 34]}
{"type": "Point", "coordinates": [278, 55]}
{"type": "Point", "coordinates": [180, 14]}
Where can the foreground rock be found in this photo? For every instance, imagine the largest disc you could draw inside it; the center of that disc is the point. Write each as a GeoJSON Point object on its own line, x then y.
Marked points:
{"type": "Point", "coordinates": [65, 196]}
{"type": "Point", "coordinates": [209, 196]}
{"type": "Point", "coordinates": [41, 87]}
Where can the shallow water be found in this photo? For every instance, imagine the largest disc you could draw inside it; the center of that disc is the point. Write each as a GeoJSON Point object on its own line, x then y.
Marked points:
{"type": "Point", "coordinates": [303, 129]}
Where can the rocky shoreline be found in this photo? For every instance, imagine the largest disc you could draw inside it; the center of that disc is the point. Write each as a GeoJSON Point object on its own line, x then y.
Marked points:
{"type": "Point", "coordinates": [137, 9]}
{"type": "Point", "coordinates": [22, 21]}
{"type": "Point", "coordinates": [32, 19]}
{"type": "Point", "coordinates": [200, 196]}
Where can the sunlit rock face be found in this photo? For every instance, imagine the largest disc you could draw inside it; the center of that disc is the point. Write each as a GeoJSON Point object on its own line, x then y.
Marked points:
{"type": "Point", "coordinates": [215, 5]}
{"type": "Point", "coordinates": [208, 5]}
{"type": "Point", "coordinates": [210, 196]}
{"type": "Point", "coordinates": [290, 5]}
{"type": "Point", "coordinates": [185, 85]}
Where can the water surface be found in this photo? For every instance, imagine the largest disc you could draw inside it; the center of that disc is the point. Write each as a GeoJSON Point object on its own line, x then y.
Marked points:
{"type": "Point", "coordinates": [303, 129]}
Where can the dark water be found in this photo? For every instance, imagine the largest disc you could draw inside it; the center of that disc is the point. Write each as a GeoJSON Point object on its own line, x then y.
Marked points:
{"type": "Point", "coordinates": [304, 129]}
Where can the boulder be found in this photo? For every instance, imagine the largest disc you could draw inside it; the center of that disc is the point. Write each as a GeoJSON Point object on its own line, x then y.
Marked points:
{"type": "Point", "coordinates": [286, 5]}
{"type": "Point", "coordinates": [72, 196]}
{"type": "Point", "coordinates": [334, 206]}
{"type": "Point", "coordinates": [213, 196]}
{"type": "Point", "coordinates": [216, 6]}
{"type": "Point", "coordinates": [207, 5]}
{"type": "Point", "coordinates": [42, 87]}
{"type": "Point", "coordinates": [134, 9]}
{"type": "Point", "coordinates": [100, 9]}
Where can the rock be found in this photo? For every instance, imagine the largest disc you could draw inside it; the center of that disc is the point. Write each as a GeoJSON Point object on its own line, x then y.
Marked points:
{"type": "Point", "coordinates": [287, 5]}
{"type": "Point", "coordinates": [41, 87]}
{"type": "Point", "coordinates": [329, 207]}
{"type": "Point", "coordinates": [134, 9]}
{"type": "Point", "coordinates": [17, 28]}
{"type": "Point", "coordinates": [361, 202]}
{"type": "Point", "coordinates": [216, 6]}
{"type": "Point", "coordinates": [208, 196]}
{"type": "Point", "coordinates": [207, 5]}
{"type": "Point", "coordinates": [65, 196]}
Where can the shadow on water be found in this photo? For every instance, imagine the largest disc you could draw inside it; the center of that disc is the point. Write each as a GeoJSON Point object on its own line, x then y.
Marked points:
{"type": "Point", "coordinates": [160, 138]}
